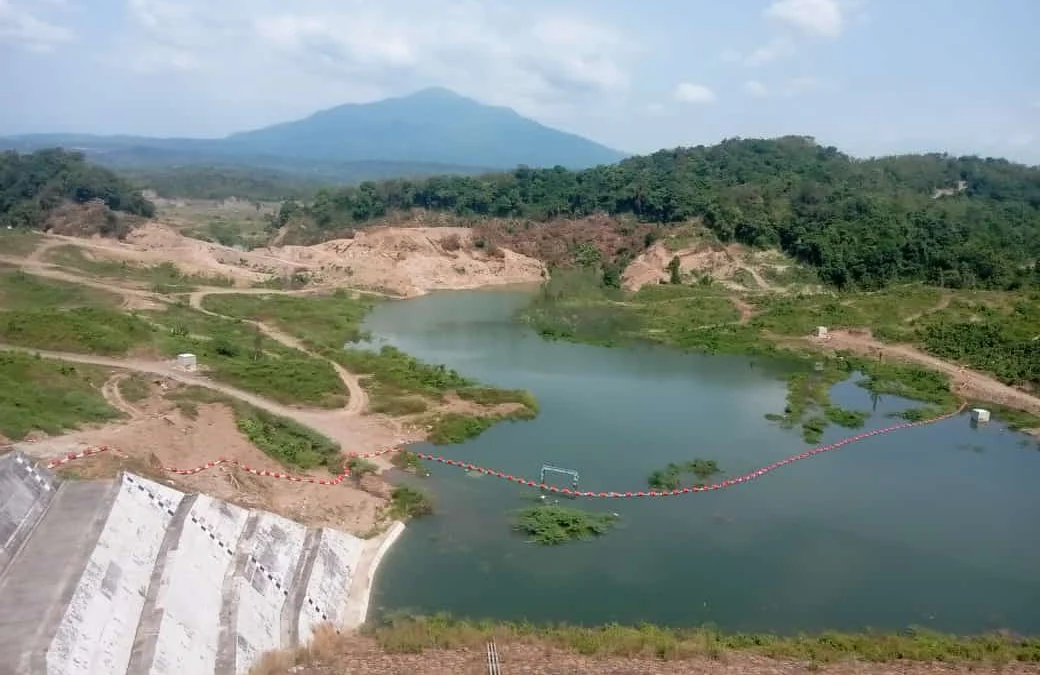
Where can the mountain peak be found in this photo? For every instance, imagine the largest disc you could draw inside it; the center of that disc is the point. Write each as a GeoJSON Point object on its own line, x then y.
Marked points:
{"type": "Point", "coordinates": [431, 125]}
{"type": "Point", "coordinates": [440, 93]}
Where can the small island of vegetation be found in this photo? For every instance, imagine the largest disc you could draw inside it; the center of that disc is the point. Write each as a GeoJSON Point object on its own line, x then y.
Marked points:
{"type": "Point", "coordinates": [551, 524]}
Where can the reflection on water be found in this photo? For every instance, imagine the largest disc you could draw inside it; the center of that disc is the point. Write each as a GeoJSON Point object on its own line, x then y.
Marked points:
{"type": "Point", "coordinates": [932, 526]}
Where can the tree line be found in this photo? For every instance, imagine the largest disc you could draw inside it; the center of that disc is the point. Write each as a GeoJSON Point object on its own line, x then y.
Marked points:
{"type": "Point", "coordinates": [957, 222]}
{"type": "Point", "coordinates": [34, 184]}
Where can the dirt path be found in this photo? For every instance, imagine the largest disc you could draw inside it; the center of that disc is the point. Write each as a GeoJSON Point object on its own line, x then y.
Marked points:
{"type": "Point", "coordinates": [357, 402]}
{"type": "Point", "coordinates": [746, 310]}
{"type": "Point", "coordinates": [110, 391]}
{"type": "Point", "coordinates": [141, 299]}
{"type": "Point", "coordinates": [968, 383]}
{"type": "Point", "coordinates": [943, 303]}
{"type": "Point", "coordinates": [133, 298]}
{"type": "Point", "coordinates": [759, 279]}
{"type": "Point", "coordinates": [355, 433]}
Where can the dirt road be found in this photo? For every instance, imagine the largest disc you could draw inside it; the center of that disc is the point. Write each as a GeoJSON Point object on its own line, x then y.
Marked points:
{"type": "Point", "coordinates": [967, 383]}
{"type": "Point", "coordinates": [358, 400]}
{"type": "Point", "coordinates": [355, 433]}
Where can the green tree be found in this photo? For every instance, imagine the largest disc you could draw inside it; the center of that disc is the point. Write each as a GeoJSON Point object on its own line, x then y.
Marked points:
{"type": "Point", "coordinates": [674, 275]}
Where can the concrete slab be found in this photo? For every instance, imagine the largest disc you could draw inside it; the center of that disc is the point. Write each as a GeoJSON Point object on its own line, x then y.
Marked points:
{"type": "Point", "coordinates": [42, 578]}
{"type": "Point", "coordinates": [25, 493]}
{"type": "Point", "coordinates": [330, 579]}
{"type": "Point", "coordinates": [190, 594]}
{"type": "Point", "coordinates": [97, 632]}
{"type": "Point", "coordinates": [271, 555]}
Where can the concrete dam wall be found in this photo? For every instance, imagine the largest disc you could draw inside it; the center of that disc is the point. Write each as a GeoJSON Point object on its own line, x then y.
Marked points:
{"type": "Point", "coordinates": [133, 577]}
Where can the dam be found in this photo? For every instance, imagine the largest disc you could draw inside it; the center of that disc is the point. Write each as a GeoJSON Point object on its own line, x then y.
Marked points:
{"type": "Point", "coordinates": [130, 576]}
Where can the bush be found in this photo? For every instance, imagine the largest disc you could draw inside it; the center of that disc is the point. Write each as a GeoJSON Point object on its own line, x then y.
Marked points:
{"type": "Point", "coordinates": [552, 525]}
{"type": "Point", "coordinates": [670, 477]}
{"type": "Point", "coordinates": [287, 441]}
{"type": "Point", "coordinates": [409, 502]}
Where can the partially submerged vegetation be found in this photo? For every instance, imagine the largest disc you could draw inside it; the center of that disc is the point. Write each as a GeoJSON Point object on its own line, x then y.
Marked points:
{"type": "Point", "coordinates": [551, 524]}
{"type": "Point", "coordinates": [406, 460]}
{"type": "Point", "coordinates": [671, 476]}
{"type": "Point", "coordinates": [575, 306]}
{"type": "Point", "coordinates": [409, 502]}
{"type": "Point", "coordinates": [399, 633]}
{"type": "Point", "coordinates": [49, 396]}
{"type": "Point", "coordinates": [397, 383]}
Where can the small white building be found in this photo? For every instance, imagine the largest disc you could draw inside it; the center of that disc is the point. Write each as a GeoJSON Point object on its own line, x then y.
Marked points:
{"type": "Point", "coordinates": [821, 332]}
{"type": "Point", "coordinates": [980, 415]}
{"type": "Point", "coordinates": [187, 362]}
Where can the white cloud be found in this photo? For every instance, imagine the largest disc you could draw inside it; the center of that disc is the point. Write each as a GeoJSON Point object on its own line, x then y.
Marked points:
{"type": "Point", "coordinates": [324, 52]}
{"type": "Point", "coordinates": [756, 88]}
{"type": "Point", "coordinates": [774, 50]}
{"type": "Point", "coordinates": [816, 17]}
{"type": "Point", "coordinates": [693, 93]}
{"type": "Point", "coordinates": [19, 27]}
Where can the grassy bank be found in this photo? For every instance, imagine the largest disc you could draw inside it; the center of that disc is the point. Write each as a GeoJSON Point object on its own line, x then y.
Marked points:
{"type": "Point", "coordinates": [994, 332]}
{"type": "Point", "coordinates": [49, 396]}
{"type": "Point", "coordinates": [409, 634]}
{"type": "Point", "coordinates": [18, 242]}
{"type": "Point", "coordinates": [230, 351]}
{"type": "Point", "coordinates": [22, 291]}
{"type": "Point", "coordinates": [397, 383]}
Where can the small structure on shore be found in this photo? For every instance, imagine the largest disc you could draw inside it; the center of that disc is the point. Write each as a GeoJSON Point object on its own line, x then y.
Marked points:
{"type": "Point", "coordinates": [979, 415]}
{"type": "Point", "coordinates": [187, 362]}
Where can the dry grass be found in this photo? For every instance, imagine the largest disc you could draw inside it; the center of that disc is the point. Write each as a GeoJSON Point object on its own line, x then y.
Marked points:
{"type": "Point", "coordinates": [351, 654]}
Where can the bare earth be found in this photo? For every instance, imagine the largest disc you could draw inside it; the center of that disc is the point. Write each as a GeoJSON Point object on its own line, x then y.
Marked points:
{"type": "Point", "coordinates": [401, 261]}
{"type": "Point", "coordinates": [158, 436]}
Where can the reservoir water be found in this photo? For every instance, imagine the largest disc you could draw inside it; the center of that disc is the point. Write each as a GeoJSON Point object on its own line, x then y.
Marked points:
{"type": "Point", "coordinates": [937, 526]}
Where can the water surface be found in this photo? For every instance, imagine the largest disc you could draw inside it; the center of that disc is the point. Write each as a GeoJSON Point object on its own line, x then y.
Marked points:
{"type": "Point", "coordinates": [934, 526]}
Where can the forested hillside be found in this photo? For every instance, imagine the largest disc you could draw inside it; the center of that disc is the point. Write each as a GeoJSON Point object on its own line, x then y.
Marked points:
{"type": "Point", "coordinates": [954, 222]}
{"type": "Point", "coordinates": [34, 185]}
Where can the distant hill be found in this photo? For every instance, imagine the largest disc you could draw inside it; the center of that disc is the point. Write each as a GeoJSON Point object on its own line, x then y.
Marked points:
{"type": "Point", "coordinates": [34, 187]}
{"type": "Point", "coordinates": [433, 131]}
{"type": "Point", "coordinates": [432, 125]}
{"type": "Point", "coordinates": [958, 222]}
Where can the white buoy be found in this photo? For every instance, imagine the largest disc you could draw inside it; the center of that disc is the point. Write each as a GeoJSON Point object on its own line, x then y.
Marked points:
{"type": "Point", "coordinates": [980, 415]}
{"type": "Point", "coordinates": [187, 362]}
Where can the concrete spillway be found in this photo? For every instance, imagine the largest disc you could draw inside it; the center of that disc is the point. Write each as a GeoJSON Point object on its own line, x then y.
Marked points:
{"type": "Point", "coordinates": [134, 577]}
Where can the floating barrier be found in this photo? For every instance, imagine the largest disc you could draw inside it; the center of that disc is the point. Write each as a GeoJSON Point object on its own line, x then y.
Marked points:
{"type": "Point", "coordinates": [728, 483]}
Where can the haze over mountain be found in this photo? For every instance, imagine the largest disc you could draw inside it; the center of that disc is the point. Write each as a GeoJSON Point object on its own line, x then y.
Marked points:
{"type": "Point", "coordinates": [430, 131]}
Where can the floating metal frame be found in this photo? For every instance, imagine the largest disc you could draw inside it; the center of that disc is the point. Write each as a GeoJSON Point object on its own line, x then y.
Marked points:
{"type": "Point", "coordinates": [548, 468]}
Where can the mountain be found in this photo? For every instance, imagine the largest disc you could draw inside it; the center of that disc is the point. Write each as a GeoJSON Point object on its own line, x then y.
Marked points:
{"type": "Point", "coordinates": [432, 125]}
{"type": "Point", "coordinates": [430, 131]}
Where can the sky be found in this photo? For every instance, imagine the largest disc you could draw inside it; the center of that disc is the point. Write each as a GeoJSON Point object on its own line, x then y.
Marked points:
{"type": "Point", "coordinates": [871, 77]}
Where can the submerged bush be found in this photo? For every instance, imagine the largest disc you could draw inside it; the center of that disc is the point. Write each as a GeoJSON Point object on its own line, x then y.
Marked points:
{"type": "Point", "coordinates": [551, 525]}
{"type": "Point", "coordinates": [670, 477]}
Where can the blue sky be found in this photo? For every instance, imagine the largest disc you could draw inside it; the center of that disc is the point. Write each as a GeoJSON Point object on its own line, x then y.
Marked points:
{"type": "Point", "coordinates": [869, 76]}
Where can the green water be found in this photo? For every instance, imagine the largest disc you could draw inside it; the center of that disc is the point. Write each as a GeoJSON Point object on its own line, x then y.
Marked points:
{"type": "Point", "coordinates": [935, 526]}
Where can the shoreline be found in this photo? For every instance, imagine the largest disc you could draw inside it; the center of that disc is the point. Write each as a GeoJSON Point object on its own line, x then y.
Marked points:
{"type": "Point", "coordinates": [361, 588]}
